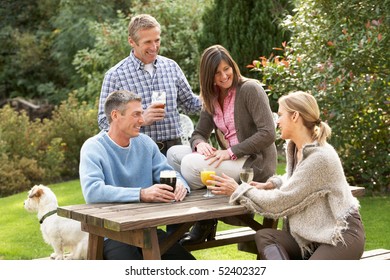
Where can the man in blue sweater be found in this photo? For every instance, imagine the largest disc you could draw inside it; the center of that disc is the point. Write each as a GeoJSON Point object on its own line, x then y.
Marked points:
{"type": "Point", "coordinates": [123, 165]}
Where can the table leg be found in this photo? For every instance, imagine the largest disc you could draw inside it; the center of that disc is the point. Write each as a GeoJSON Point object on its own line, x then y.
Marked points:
{"type": "Point", "coordinates": [95, 247]}
{"type": "Point", "coordinates": [95, 244]}
{"type": "Point", "coordinates": [151, 248]}
{"type": "Point", "coordinates": [172, 239]}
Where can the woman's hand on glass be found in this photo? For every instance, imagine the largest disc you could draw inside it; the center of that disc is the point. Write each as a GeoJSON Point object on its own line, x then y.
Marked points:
{"type": "Point", "coordinates": [223, 185]}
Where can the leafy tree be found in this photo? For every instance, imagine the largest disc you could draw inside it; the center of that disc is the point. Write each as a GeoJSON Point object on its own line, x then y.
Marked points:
{"type": "Point", "coordinates": [71, 32]}
{"type": "Point", "coordinates": [109, 48]}
{"type": "Point", "coordinates": [246, 28]}
{"type": "Point", "coordinates": [25, 40]}
{"type": "Point", "coordinates": [39, 39]}
{"type": "Point", "coordinates": [339, 51]}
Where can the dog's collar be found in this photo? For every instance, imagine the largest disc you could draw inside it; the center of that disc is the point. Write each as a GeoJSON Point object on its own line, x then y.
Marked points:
{"type": "Point", "coordinates": [47, 215]}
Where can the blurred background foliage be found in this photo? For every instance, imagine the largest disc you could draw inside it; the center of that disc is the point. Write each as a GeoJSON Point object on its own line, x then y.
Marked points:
{"type": "Point", "coordinates": [246, 28]}
{"type": "Point", "coordinates": [339, 51]}
{"type": "Point", "coordinates": [57, 51]}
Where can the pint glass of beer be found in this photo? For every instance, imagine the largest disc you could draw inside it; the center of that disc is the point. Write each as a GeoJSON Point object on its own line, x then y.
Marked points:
{"type": "Point", "coordinates": [159, 97]}
{"type": "Point", "coordinates": [168, 177]}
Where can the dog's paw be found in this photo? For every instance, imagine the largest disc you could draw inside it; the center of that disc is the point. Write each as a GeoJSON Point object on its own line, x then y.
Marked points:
{"type": "Point", "coordinates": [55, 256]}
{"type": "Point", "coordinates": [68, 257]}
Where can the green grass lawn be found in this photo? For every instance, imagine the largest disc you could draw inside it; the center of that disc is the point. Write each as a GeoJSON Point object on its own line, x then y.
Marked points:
{"type": "Point", "coordinates": [20, 236]}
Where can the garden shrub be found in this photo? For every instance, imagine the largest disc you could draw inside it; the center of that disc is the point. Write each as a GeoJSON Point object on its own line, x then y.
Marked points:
{"type": "Point", "coordinates": [22, 138]}
{"type": "Point", "coordinates": [12, 178]}
{"type": "Point", "coordinates": [23, 148]}
{"type": "Point", "coordinates": [73, 121]}
{"type": "Point", "coordinates": [34, 152]}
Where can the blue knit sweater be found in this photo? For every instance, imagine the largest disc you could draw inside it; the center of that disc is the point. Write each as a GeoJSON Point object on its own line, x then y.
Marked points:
{"type": "Point", "coordinates": [110, 173]}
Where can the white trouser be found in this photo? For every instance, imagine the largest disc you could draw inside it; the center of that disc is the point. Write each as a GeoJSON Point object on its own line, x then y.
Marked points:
{"type": "Point", "coordinates": [190, 164]}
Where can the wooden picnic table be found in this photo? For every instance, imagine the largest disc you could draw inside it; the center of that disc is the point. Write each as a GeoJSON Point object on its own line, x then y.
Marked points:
{"type": "Point", "coordinates": [136, 223]}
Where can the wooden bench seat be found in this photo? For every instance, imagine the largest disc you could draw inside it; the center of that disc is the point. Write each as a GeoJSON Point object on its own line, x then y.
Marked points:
{"type": "Point", "coordinates": [358, 191]}
{"type": "Point", "coordinates": [376, 254]}
{"type": "Point", "coordinates": [226, 237]}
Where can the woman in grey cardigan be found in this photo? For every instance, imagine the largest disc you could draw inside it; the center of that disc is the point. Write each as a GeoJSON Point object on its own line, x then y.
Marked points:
{"type": "Point", "coordinates": [323, 220]}
{"type": "Point", "coordinates": [238, 110]}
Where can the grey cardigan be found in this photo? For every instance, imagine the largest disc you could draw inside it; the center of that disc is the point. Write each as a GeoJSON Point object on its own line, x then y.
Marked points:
{"type": "Point", "coordinates": [255, 130]}
{"type": "Point", "coordinates": [315, 197]}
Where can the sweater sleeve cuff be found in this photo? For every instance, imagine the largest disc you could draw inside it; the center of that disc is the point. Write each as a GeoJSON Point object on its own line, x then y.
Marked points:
{"type": "Point", "coordinates": [231, 154]}
{"type": "Point", "coordinates": [276, 181]}
{"type": "Point", "coordinates": [195, 144]}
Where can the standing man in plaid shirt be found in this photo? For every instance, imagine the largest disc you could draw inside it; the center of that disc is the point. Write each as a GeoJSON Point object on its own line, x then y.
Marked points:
{"type": "Point", "coordinates": [143, 72]}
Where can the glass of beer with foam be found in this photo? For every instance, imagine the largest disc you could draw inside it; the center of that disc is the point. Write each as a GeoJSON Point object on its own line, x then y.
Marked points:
{"type": "Point", "coordinates": [168, 177]}
{"type": "Point", "coordinates": [159, 98]}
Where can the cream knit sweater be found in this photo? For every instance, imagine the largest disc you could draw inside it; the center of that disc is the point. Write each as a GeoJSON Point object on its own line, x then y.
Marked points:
{"type": "Point", "coordinates": [315, 197]}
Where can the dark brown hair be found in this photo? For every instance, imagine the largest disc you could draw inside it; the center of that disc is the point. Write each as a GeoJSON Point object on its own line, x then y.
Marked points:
{"type": "Point", "coordinates": [209, 62]}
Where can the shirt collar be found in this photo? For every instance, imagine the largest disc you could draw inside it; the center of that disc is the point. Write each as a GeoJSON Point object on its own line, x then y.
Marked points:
{"type": "Point", "coordinates": [138, 63]}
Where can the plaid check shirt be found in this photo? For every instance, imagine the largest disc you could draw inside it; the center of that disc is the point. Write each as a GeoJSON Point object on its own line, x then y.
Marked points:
{"type": "Point", "coordinates": [130, 74]}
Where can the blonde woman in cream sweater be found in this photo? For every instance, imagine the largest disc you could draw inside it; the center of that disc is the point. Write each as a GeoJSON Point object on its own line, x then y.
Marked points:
{"type": "Point", "coordinates": [322, 219]}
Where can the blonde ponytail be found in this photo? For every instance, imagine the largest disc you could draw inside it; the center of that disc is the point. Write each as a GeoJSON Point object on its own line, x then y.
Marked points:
{"type": "Point", "coordinates": [307, 106]}
{"type": "Point", "coordinates": [322, 132]}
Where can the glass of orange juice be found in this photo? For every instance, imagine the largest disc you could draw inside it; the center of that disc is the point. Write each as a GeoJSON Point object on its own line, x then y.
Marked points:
{"type": "Point", "coordinates": [204, 176]}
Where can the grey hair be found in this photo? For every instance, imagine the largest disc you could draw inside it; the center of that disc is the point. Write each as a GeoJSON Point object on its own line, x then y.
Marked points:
{"type": "Point", "coordinates": [117, 100]}
{"type": "Point", "coordinates": [141, 22]}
